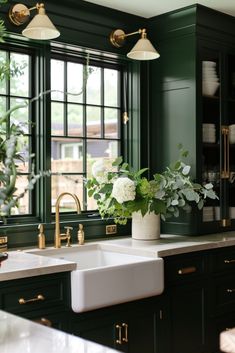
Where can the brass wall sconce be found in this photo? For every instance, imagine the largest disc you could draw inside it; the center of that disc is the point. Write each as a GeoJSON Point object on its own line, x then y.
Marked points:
{"type": "Point", "coordinates": [142, 50]}
{"type": "Point", "coordinates": [40, 27]}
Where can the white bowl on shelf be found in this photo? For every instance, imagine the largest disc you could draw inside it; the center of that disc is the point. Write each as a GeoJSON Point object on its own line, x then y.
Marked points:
{"type": "Point", "coordinates": [217, 213]}
{"type": "Point", "coordinates": [209, 87]}
{"type": "Point", "coordinates": [210, 79]}
{"type": "Point", "coordinates": [232, 212]}
{"type": "Point", "coordinates": [207, 63]}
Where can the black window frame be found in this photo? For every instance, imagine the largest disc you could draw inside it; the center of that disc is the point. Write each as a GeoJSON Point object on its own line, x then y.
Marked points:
{"type": "Point", "coordinates": [41, 56]}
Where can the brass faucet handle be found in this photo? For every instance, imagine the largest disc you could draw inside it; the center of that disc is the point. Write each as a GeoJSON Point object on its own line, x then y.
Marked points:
{"type": "Point", "coordinates": [41, 228]}
{"type": "Point", "coordinates": [41, 237]}
{"type": "Point", "coordinates": [81, 235]}
{"type": "Point", "coordinates": [68, 229]}
{"type": "Point", "coordinates": [68, 235]}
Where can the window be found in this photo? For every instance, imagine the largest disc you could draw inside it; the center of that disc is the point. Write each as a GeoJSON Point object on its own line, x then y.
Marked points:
{"type": "Point", "coordinates": [17, 90]}
{"type": "Point", "coordinates": [85, 124]}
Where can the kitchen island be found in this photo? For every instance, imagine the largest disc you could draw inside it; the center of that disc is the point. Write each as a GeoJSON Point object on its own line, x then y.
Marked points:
{"type": "Point", "coordinates": [21, 335]}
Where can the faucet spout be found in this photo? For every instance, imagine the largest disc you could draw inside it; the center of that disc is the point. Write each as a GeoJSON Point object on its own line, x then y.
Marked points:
{"type": "Point", "coordinates": [58, 235]}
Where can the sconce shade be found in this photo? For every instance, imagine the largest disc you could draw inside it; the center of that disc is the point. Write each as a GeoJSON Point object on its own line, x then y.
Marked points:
{"type": "Point", "coordinates": [41, 27]}
{"type": "Point", "coordinates": [143, 50]}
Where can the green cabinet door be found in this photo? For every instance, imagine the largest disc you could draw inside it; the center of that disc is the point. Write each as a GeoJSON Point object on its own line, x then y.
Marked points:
{"type": "Point", "coordinates": [187, 319]}
{"type": "Point", "coordinates": [131, 327]}
{"type": "Point", "coordinates": [185, 292]}
{"type": "Point", "coordinates": [45, 299]}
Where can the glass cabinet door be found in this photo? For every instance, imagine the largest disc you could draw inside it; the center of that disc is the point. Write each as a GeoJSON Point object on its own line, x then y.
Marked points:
{"type": "Point", "coordinates": [212, 168]}
{"type": "Point", "coordinates": [230, 113]}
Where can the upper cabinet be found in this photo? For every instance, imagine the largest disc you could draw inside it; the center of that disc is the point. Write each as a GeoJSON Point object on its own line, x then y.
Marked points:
{"type": "Point", "coordinates": [193, 103]}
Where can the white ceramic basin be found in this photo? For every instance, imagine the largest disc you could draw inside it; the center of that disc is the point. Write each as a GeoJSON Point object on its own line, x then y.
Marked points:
{"type": "Point", "coordinates": [104, 277]}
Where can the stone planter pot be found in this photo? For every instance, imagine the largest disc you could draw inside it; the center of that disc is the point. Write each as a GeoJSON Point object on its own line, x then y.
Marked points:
{"type": "Point", "coordinates": [145, 228]}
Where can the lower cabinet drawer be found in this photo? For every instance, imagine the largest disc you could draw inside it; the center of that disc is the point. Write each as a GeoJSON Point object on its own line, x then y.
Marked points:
{"type": "Point", "coordinates": [183, 268]}
{"type": "Point", "coordinates": [223, 290]}
{"type": "Point", "coordinates": [33, 294]}
{"type": "Point", "coordinates": [55, 320]}
{"type": "Point", "coordinates": [223, 260]}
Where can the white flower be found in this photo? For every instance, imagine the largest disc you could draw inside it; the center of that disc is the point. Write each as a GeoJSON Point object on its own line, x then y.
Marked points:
{"type": "Point", "coordinates": [123, 190]}
{"type": "Point", "coordinates": [99, 171]}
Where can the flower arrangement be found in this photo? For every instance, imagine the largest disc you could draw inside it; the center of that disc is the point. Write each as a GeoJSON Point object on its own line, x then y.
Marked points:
{"type": "Point", "coordinates": [121, 191]}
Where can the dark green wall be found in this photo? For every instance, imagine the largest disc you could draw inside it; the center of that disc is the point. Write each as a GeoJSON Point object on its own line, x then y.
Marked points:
{"type": "Point", "coordinates": [84, 24]}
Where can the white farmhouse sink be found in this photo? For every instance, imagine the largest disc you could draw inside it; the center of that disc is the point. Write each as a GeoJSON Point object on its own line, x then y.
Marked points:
{"type": "Point", "coordinates": [105, 277]}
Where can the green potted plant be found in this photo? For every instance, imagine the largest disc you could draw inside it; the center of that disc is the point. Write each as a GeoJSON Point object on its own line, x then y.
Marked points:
{"type": "Point", "coordinates": [123, 193]}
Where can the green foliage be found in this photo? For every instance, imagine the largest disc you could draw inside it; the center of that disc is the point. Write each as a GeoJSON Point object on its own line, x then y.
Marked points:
{"type": "Point", "coordinates": [7, 69]}
{"type": "Point", "coordinates": [124, 191]}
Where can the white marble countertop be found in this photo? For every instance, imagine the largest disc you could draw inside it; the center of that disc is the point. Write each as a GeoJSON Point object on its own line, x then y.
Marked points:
{"type": "Point", "coordinates": [21, 335]}
{"type": "Point", "coordinates": [22, 264]}
{"type": "Point", "coordinates": [227, 341]}
{"type": "Point", "coordinates": [169, 245]}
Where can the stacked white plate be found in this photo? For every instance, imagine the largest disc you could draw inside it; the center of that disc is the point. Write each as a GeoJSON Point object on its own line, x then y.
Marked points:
{"type": "Point", "coordinates": [232, 133]}
{"type": "Point", "coordinates": [210, 79]}
{"type": "Point", "coordinates": [208, 133]}
{"type": "Point", "coordinates": [208, 214]}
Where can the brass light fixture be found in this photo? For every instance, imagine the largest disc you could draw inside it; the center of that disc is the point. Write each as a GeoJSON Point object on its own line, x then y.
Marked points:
{"type": "Point", "coordinates": [142, 50]}
{"type": "Point", "coordinates": [40, 27]}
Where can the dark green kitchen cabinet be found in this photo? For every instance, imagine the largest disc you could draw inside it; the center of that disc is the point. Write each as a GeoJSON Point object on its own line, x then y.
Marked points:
{"type": "Point", "coordinates": [200, 297]}
{"type": "Point", "coordinates": [44, 299]}
{"type": "Point", "coordinates": [185, 290]}
{"type": "Point", "coordinates": [134, 327]}
{"type": "Point", "coordinates": [221, 303]}
{"type": "Point", "coordinates": [197, 49]}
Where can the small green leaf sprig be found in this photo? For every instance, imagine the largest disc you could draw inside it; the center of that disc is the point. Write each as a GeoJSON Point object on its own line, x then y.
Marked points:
{"type": "Point", "coordinates": [123, 191]}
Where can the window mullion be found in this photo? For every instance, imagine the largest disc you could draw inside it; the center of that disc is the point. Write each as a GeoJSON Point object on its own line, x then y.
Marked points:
{"type": "Point", "coordinates": [102, 103]}
{"type": "Point", "coordinates": [84, 133]}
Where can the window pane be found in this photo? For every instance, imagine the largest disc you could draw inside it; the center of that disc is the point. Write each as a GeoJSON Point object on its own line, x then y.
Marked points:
{"type": "Point", "coordinates": [66, 155]}
{"type": "Point", "coordinates": [86, 126]}
{"type": "Point", "coordinates": [3, 58]}
{"type": "Point", "coordinates": [75, 120]}
{"type": "Point", "coordinates": [111, 87]}
{"type": "Point", "coordinates": [57, 80]}
{"type": "Point", "coordinates": [102, 148]}
{"type": "Point", "coordinates": [73, 183]}
{"type": "Point", "coordinates": [57, 118]}
{"type": "Point", "coordinates": [21, 115]}
{"type": "Point", "coordinates": [24, 203]}
{"type": "Point", "coordinates": [93, 122]}
{"type": "Point", "coordinates": [75, 82]}
{"type": "Point", "coordinates": [94, 86]}
{"type": "Point", "coordinates": [19, 84]}
{"type": "Point", "coordinates": [2, 110]}
{"type": "Point", "coordinates": [111, 125]}
{"type": "Point", "coordinates": [24, 152]}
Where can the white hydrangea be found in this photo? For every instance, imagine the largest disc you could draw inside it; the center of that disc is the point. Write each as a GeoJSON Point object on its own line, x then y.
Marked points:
{"type": "Point", "coordinates": [99, 171]}
{"type": "Point", "coordinates": [123, 190]}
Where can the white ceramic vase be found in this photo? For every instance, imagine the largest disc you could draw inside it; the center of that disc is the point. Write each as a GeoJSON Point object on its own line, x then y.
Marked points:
{"type": "Point", "coordinates": [145, 227]}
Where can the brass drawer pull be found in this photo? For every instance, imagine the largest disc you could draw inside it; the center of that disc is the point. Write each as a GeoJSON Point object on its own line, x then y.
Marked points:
{"type": "Point", "coordinates": [39, 297]}
{"type": "Point", "coordinates": [230, 290]}
{"type": "Point", "coordinates": [229, 261]}
{"type": "Point", "coordinates": [187, 270]}
{"type": "Point", "coordinates": [125, 338]}
{"type": "Point", "coordinates": [43, 321]}
{"type": "Point", "coordinates": [119, 334]}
